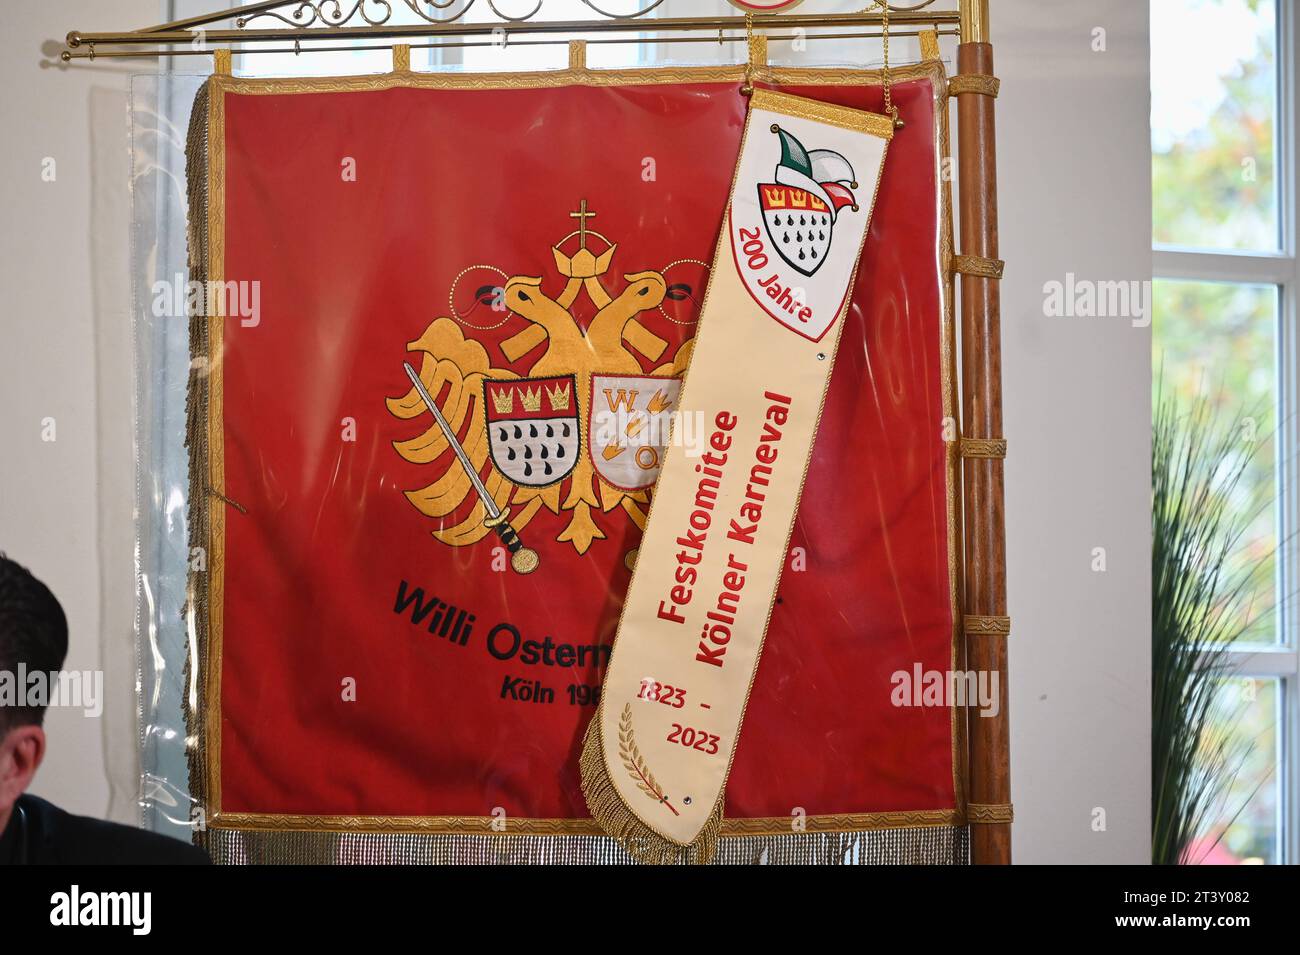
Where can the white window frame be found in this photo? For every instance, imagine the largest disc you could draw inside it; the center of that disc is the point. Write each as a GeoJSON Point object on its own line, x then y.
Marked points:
{"type": "Point", "coordinates": [1281, 269]}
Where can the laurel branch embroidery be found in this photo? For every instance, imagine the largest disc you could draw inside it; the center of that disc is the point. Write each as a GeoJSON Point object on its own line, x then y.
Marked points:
{"type": "Point", "coordinates": [634, 763]}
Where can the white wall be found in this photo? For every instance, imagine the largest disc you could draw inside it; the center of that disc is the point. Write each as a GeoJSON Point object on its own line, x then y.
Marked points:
{"type": "Point", "coordinates": [1075, 189]}
{"type": "Point", "coordinates": [1075, 197]}
{"type": "Point", "coordinates": [65, 347]}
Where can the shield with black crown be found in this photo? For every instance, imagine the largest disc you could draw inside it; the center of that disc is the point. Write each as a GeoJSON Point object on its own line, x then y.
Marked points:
{"type": "Point", "coordinates": [532, 424]}
{"type": "Point", "coordinates": [800, 207]}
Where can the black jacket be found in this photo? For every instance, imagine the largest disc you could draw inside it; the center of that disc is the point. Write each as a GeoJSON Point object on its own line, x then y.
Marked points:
{"type": "Point", "coordinates": [40, 833]}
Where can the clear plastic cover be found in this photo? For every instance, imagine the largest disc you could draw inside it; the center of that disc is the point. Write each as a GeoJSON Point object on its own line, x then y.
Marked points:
{"type": "Point", "coordinates": [340, 658]}
{"type": "Point", "coordinates": [160, 112]}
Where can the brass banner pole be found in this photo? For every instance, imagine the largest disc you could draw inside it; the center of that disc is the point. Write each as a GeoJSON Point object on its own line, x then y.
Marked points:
{"type": "Point", "coordinates": [176, 33]}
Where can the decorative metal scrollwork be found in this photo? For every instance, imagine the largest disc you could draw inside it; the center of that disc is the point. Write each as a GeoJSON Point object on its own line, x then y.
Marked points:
{"type": "Point", "coordinates": [335, 13]}
{"type": "Point", "coordinates": [631, 16]}
{"type": "Point", "coordinates": [328, 13]}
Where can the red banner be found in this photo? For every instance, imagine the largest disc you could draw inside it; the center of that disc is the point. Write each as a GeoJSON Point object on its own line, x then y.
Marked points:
{"type": "Point", "coordinates": [536, 252]}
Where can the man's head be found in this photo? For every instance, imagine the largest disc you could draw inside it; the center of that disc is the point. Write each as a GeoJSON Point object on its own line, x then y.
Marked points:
{"type": "Point", "coordinates": [34, 633]}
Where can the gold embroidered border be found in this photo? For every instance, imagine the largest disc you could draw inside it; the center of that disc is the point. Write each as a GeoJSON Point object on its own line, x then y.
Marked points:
{"type": "Point", "coordinates": [401, 58]}
{"type": "Point", "coordinates": [976, 624]}
{"type": "Point", "coordinates": [845, 117]}
{"type": "Point", "coordinates": [990, 814]}
{"type": "Point", "coordinates": [978, 266]}
{"type": "Point", "coordinates": [216, 439]}
{"type": "Point", "coordinates": [844, 822]}
{"type": "Point", "coordinates": [210, 630]}
{"type": "Point", "coordinates": [577, 54]}
{"type": "Point", "coordinates": [980, 83]}
{"type": "Point", "coordinates": [583, 76]}
{"type": "Point", "coordinates": [950, 402]}
{"type": "Point", "coordinates": [929, 40]}
{"type": "Point", "coordinates": [983, 447]}
{"type": "Point", "coordinates": [504, 826]}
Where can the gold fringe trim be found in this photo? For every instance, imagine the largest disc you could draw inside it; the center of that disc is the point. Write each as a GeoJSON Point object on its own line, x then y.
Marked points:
{"type": "Point", "coordinates": [196, 443]}
{"type": "Point", "coordinates": [607, 807]}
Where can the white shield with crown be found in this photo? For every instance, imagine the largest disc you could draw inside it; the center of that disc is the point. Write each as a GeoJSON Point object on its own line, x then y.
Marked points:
{"type": "Point", "coordinates": [532, 425]}
{"type": "Point", "coordinates": [797, 230]}
{"type": "Point", "coordinates": [800, 208]}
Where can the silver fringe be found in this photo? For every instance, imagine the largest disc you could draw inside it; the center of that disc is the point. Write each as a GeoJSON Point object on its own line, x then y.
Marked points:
{"type": "Point", "coordinates": [932, 845]}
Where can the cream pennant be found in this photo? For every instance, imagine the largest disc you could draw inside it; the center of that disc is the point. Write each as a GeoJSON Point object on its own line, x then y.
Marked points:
{"type": "Point", "coordinates": [658, 751]}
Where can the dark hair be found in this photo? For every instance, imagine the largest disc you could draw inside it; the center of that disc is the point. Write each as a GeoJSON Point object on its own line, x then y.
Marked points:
{"type": "Point", "coordinates": [33, 631]}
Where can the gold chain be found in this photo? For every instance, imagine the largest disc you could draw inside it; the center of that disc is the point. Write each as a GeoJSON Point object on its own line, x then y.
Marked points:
{"type": "Point", "coordinates": [884, 11]}
{"type": "Point", "coordinates": [886, 83]}
{"type": "Point", "coordinates": [747, 88]}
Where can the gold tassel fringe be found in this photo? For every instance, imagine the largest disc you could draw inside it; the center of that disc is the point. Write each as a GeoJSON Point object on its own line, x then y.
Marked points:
{"type": "Point", "coordinates": [639, 840]}
{"type": "Point", "coordinates": [196, 442]}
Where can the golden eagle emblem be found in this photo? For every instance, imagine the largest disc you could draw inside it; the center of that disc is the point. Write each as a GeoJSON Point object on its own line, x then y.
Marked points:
{"type": "Point", "coordinates": [517, 439]}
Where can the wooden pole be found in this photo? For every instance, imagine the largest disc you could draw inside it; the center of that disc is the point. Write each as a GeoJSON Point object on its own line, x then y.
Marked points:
{"type": "Point", "coordinates": [982, 497]}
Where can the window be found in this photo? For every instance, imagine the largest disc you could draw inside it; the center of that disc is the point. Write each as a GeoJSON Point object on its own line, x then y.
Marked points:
{"type": "Point", "coordinates": [1224, 305]}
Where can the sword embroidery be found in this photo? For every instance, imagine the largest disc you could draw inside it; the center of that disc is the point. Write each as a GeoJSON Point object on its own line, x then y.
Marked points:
{"type": "Point", "coordinates": [523, 560]}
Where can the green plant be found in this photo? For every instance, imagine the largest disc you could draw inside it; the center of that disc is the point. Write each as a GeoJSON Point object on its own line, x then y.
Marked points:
{"type": "Point", "coordinates": [1204, 588]}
